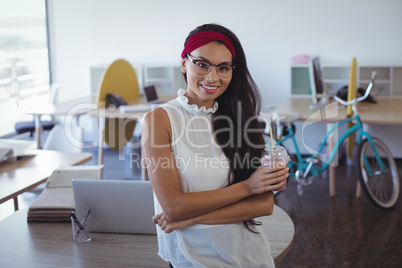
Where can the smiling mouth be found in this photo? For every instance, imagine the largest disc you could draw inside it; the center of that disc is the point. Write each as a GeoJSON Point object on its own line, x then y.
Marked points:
{"type": "Point", "coordinates": [210, 89]}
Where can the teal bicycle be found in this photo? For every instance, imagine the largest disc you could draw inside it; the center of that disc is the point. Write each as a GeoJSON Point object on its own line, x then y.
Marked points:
{"type": "Point", "coordinates": [377, 171]}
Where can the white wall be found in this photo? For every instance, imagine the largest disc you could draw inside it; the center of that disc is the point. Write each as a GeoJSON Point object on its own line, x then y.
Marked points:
{"type": "Point", "coordinates": [85, 33]}
{"type": "Point", "coordinates": [91, 32]}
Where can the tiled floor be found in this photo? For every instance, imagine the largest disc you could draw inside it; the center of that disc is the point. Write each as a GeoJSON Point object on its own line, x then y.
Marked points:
{"type": "Point", "coordinates": [341, 231]}
{"type": "Point", "coordinates": [329, 232]}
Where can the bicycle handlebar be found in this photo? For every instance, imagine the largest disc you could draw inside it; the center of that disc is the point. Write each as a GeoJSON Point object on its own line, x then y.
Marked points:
{"type": "Point", "coordinates": [356, 100]}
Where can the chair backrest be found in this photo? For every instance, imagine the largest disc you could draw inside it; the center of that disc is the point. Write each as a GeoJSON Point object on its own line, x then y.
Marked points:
{"type": "Point", "coordinates": [119, 77]}
{"type": "Point", "coordinates": [58, 140]}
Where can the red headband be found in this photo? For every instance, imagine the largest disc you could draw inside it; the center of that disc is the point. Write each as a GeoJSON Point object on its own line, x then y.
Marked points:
{"type": "Point", "coordinates": [202, 38]}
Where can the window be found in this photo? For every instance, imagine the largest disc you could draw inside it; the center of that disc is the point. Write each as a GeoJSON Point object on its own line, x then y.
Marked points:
{"type": "Point", "coordinates": [24, 61]}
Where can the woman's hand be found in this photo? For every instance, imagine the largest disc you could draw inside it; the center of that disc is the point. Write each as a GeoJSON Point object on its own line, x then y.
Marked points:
{"type": "Point", "coordinates": [168, 227]}
{"type": "Point", "coordinates": [266, 179]}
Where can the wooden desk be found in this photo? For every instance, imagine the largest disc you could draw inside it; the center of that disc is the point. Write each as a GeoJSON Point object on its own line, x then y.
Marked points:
{"type": "Point", "coordinates": [71, 107]}
{"type": "Point", "coordinates": [385, 111]}
{"type": "Point", "coordinates": [24, 175]}
{"type": "Point", "coordinates": [36, 244]}
{"type": "Point", "coordinates": [280, 230]}
{"type": "Point", "coordinates": [102, 113]}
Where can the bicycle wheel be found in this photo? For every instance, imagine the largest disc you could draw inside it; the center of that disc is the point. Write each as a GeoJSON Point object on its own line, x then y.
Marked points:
{"type": "Point", "coordinates": [381, 186]}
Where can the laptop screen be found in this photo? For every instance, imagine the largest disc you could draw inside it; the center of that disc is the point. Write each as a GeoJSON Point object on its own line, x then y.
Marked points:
{"type": "Point", "coordinates": [116, 206]}
{"type": "Point", "coordinates": [150, 93]}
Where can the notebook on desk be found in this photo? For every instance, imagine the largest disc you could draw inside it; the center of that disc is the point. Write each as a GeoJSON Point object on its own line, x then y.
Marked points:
{"type": "Point", "coordinates": [117, 206]}
{"type": "Point", "coordinates": [14, 150]}
{"type": "Point", "coordinates": [151, 95]}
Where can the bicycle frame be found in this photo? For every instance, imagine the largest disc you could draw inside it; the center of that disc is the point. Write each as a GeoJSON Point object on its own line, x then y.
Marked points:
{"type": "Point", "coordinates": [303, 163]}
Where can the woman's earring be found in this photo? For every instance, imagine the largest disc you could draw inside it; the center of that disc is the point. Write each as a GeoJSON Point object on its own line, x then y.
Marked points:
{"type": "Point", "coordinates": [183, 71]}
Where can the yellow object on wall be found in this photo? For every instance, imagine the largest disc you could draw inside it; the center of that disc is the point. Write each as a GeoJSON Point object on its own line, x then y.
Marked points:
{"type": "Point", "coordinates": [352, 93]}
{"type": "Point", "coordinates": [119, 77]}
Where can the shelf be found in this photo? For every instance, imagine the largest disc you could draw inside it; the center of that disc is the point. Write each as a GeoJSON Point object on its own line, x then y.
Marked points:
{"type": "Point", "coordinates": [337, 73]}
{"type": "Point", "coordinates": [396, 83]}
{"type": "Point", "coordinates": [335, 81]}
{"type": "Point", "coordinates": [377, 81]}
{"type": "Point", "coordinates": [158, 80]}
{"type": "Point", "coordinates": [152, 72]}
{"type": "Point", "coordinates": [300, 80]}
{"type": "Point", "coordinates": [383, 73]}
{"type": "Point", "coordinates": [388, 81]}
{"type": "Point", "coordinates": [166, 78]}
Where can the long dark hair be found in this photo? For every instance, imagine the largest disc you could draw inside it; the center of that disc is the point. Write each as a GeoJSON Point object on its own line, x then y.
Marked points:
{"type": "Point", "coordinates": [238, 110]}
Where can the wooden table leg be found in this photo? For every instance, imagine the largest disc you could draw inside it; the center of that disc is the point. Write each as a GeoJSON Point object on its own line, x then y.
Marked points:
{"type": "Point", "coordinates": [15, 203]}
{"type": "Point", "coordinates": [358, 190]}
{"type": "Point", "coordinates": [143, 165]}
{"type": "Point", "coordinates": [38, 130]}
{"type": "Point", "coordinates": [101, 142]}
{"type": "Point", "coordinates": [331, 167]}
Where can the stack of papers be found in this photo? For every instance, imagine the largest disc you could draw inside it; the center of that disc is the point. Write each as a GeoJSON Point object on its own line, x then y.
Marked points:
{"type": "Point", "coordinates": [57, 199]}
{"type": "Point", "coordinates": [53, 204]}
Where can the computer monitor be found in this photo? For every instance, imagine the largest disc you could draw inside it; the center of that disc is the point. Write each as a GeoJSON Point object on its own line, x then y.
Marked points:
{"type": "Point", "coordinates": [317, 88]}
{"type": "Point", "coordinates": [318, 92]}
{"type": "Point", "coordinates": [151, 95]}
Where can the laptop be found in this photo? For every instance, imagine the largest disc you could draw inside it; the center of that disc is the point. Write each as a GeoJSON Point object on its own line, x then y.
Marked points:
{"type": "Point", "coordinates": [151, 95]}
{"type": "Point", "coordinates": [117, 206]}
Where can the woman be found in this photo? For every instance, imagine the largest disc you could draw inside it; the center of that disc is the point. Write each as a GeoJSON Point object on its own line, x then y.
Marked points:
{"type": "Point", "coordinates": [203, 160]}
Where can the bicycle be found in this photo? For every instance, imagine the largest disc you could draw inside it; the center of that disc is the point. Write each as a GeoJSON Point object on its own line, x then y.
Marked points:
{"type": "Point", "coordinates": [377, 171]}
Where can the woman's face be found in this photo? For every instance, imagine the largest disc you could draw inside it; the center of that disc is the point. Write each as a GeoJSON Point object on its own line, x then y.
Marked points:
{"type": "Point", "coordinates": [204, 89]}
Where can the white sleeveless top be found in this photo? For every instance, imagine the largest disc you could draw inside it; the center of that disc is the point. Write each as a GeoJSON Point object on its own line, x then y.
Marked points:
{"type": "Point", "coordinates": [202, 166]}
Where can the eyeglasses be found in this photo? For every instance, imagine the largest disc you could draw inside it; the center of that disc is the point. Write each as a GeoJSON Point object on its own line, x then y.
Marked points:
{"type": "Point", "coordinates": [203, 67]}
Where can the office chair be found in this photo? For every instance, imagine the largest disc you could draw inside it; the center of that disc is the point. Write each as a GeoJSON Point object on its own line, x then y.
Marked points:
{"type": "Point", "coordinates": [29, 126]}
{"type": "Point", "coordinates": [58, 140]}
{"type": "Point", "coordinates": [120, 78]}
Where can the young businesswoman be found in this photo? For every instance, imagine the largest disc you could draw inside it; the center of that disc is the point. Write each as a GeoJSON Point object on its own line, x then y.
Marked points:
{"type": "Point", "coordinates": [202, 152]}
